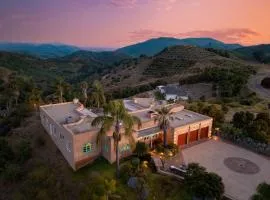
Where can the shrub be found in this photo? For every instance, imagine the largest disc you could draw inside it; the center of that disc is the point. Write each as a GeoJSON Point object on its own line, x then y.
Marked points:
{"type": "Point", "coordinates": [12, 172]}
{"type": "Point", "coordinates": [6, 153]}
{"type": "Point", "coordinates": [173, 148]}
{"type": "Point", "coordinates": [24, 151]}
{"type": "Point", "coordinates": [266, 82]}
{"type": "Point", "coordinates": [197, 178]}
{"type": "Point", "coordinates": [125, 172]}
{"type": "Point", "coordinates": [141, 149]}
{"type": "Point", "coordinates": [40, 141]}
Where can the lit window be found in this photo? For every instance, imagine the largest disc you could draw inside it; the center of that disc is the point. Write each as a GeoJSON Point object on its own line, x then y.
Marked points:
{"type": "Point", "coordinates": [88, 147]}
{"type": "Point", "coordinates": [125, 148]}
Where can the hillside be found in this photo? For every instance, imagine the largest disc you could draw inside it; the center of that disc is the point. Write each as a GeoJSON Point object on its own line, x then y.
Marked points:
{"type": "Point", "coordinates": [170, 65]}
{"type": "Point", "coordinates": [153, 46]}
{"type": "Point", "coordinates": [44, 72]}
{"type": "Point", "coordinates": [105, 57]}
{"type": "Point", "coordinates": [259, 53]}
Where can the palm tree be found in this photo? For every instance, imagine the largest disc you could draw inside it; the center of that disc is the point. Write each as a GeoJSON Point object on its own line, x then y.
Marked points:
{"type": "Point", "coordinates": [84, 87]}
{"type": "Point", "coordinates": [35, 98]}
{"type": "Point", "coordinates": [61, 87]}
{"type": "Point", "coordinates": [116, 117]}
{"type": "Point", "coordinates": [163, 117]}
{"type": "Point", "coordinates": [98, 97]}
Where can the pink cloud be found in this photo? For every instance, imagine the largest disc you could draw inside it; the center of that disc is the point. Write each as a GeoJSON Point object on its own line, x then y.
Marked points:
{"type": "Point", "coordinates": [123, 3]}
{"type": "Point", "coordinates": [232, 35]}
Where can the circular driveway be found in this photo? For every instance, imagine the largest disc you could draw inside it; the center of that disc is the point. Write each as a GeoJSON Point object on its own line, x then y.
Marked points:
{"type": "Point", "coordinates": [213, 155]}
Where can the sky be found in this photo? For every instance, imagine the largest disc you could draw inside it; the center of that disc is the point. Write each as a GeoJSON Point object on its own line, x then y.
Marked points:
{"type": "Point", "coordinates": [116, 23]}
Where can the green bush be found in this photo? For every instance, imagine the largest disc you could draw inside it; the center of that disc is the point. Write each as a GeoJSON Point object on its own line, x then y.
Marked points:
{"type": "Point", "coordinates": [125, 172]}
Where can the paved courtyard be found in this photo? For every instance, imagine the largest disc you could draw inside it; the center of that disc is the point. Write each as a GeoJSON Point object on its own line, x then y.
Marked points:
{"type": "Point", "coordinates": [213, 155]}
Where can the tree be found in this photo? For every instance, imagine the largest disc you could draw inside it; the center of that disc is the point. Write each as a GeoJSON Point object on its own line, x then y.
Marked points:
{"type": "Point", "coordinates": [61, 86]}
{"type": "Point", "coordinates": [263, 192]}
{"type": "Point", "coordinates": [116, 116]}
{"type": "Point", "coordinates": [98, 97]}
{"type": "Point", "coordinates": [263, 116]}
{"type": "Point", "coordinates": [202, 184]}
{"type": "Point", "coordinates": [141, 149]}
{"type": "Point", "coordinates": [163, 117]}
{"type": "Point", "coordinates": [84, 87]}
{"type": "Point", "coordinates": [35, 98]}
{"type": "Point", "coordinates": [242, 119]}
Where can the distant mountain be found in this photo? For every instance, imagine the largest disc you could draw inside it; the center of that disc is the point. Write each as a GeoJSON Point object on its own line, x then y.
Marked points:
{"type": "Point", "coordinates": [104, 57]}
{"type": "Point", "coordinates": [153, 46]}
{"type": "Point", "coordinates": [44, 51]}
{"type": "Point", "coordinates": [259, 53]}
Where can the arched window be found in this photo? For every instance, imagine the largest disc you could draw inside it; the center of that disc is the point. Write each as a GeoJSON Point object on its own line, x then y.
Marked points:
{"type": "Point", "coordinates": [88, 147]}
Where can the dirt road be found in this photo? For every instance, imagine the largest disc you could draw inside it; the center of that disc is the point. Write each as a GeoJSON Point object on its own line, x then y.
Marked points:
{"type": "Point", "coordinates": [254, 83]}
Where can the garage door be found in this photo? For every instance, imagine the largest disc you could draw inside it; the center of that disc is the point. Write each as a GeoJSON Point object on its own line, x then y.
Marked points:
{"type": "Point", "coordinates": [204, 132]}
{"type": "Point", "coordinates": [193, 136]}
{"type": "Point", "coordinates": [182, 139]}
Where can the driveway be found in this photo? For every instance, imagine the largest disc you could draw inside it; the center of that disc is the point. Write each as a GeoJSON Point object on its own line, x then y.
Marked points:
{"type": "Point", "coordinates": [238, 185]}
{"type": "Point", "coordinates": [254, 82]}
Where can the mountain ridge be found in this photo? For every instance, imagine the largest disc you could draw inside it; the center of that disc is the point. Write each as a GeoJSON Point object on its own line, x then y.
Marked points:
{"type": "Point", "coordinates": [153, 46]}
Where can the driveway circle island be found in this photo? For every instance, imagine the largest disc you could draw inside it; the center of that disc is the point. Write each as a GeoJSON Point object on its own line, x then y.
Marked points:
{"type": "Point", "coordinates": [241, 165]}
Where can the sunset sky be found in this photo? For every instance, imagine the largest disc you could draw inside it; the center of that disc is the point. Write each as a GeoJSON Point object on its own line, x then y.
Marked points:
{"type": "Point", "coordinates": [116, 23]}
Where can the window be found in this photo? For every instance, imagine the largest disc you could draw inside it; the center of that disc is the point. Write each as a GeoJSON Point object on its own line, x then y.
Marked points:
{"type": "Point", "coordinates": [125, 148]}
{"type": "Point", "coordinates": [106, 148]}
{"type": "Point", "coordinates": [69, 146]}
{"type": "Point", "coordinates": [88, 147]}
{"type": "Point", "coordinates": [54, 131]}
{"type": "Point", "coordinates": [61, 136]}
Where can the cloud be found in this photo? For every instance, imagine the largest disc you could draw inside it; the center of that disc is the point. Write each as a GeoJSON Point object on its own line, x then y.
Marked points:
{"type": "Point", "coordinates": [232, 35]}
{"type": "Point", "coordinates": [123, 3]}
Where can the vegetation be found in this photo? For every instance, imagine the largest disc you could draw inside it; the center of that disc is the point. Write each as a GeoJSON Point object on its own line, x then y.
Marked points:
{"type": "Point", "coordinates": [247, 125]}
{"type": "Point", "coordinates": [263, 192]}
{"type": "Point", "coordinates": [213, 110]}
{"type": "Point", "coordinates": [163, 117]}
{"type": "Point", "coordinates": [229, 82]}
{"type": "Point", "coordinates": [259, 53]}
{"type": "Point", "coordinates": [202, 184]}
{"type": "Point", "coordinates": [141, 149]}
{"type": "Point", "coordinates": [116, 115]}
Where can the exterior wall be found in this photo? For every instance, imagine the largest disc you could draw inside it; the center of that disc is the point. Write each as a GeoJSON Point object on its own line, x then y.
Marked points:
{"type": "Point", "coordinates": [80, 140]}
{"type": "Point", "coordinates": [110, 155]}
{"type": "Point", "coordinates": [170, 96]}
{"type": "Point", "coordinates": [62, 138]}
{"type": "Point", "coordinates": [192, 127]}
